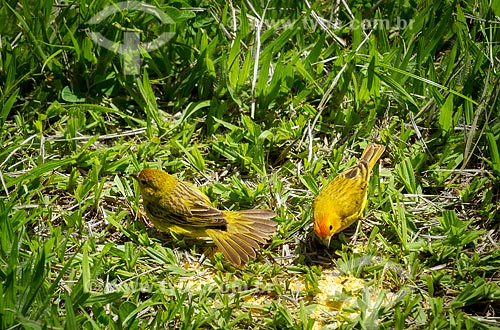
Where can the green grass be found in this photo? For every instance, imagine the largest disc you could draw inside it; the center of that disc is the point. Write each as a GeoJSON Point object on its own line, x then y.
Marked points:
{"type": "Point", "coordinates": [259, 104]}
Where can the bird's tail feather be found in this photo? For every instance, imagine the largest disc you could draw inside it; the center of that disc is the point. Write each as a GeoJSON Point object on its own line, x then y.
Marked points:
{"type": "Point", "coordinates": [372, 153]}
{"type": "Point", "coordinates": [245, 230]}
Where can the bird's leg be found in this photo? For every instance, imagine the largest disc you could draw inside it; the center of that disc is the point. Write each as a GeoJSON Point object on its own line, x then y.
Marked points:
{"type": "Point", "coordinates": [208, 252]}
{"type": "Point", "coordinates": [354, 238]}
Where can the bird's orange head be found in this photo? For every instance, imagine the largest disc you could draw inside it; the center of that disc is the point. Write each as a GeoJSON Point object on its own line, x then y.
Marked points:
{"type": "Point", "coordinates": [154, 183]}
{"type": "Point", "coordinates": [325, 227]}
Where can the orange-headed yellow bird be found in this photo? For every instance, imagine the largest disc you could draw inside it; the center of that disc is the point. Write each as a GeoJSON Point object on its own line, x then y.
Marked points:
{"type": "Point", "coordinates": [343, 200]}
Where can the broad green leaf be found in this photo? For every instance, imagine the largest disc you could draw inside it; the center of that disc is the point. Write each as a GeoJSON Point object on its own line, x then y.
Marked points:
{"type": "Point", "coordinates": [69, 96]}
{"type": "Point", "coordinates": [6, 107]}
{"type": "Point", "coordinates": [234, 65]}
{"type": "Point", "coordinates": [446, 115]}
{"type": "Point", "coordinates": [87, 285]}
{"type": "Point", "coordinates": [494, 153]}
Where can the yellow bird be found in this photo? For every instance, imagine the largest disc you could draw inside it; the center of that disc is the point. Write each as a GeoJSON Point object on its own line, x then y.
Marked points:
{"type": "Point", "coordinates": [177, 206]}
{"type": "Point", "coordinates": [343, 200]}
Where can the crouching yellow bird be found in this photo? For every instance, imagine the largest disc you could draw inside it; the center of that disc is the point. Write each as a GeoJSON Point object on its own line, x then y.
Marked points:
{"type": "Point", "coordinates": [343, 200]}
{"type": "Point", "coordinates": [177, 206]}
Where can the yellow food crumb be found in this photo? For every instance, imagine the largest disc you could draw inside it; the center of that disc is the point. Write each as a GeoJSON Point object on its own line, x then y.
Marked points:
{"type": "Point", "coordinates": [336, 292]}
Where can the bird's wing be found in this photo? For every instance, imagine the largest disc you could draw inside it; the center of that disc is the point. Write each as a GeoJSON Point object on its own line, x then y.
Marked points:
{"type": "Point", "coordinates": [187, 206]}
{"type": "Point", "coordinates": [348, 190]}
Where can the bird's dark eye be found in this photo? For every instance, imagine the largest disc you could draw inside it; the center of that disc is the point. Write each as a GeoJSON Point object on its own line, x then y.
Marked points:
{"type": "Point", "coordinates": [144, 182]}
{"type": "Point", "coordinates": [331, 227]}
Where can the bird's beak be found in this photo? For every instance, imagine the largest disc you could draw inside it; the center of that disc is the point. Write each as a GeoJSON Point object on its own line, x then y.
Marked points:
{"type": "Point", "coordinates": [326, 241]}
{"type": "Point", "coordinates": [135, 176]}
